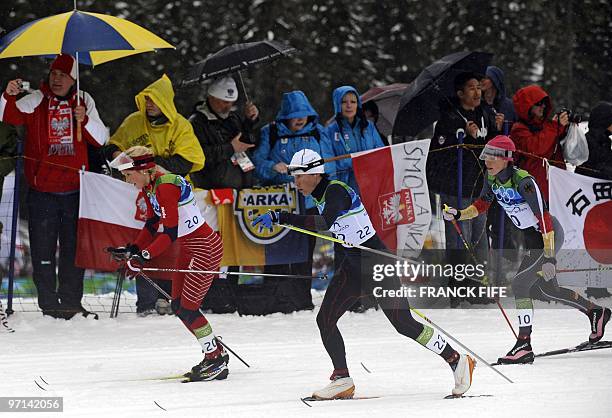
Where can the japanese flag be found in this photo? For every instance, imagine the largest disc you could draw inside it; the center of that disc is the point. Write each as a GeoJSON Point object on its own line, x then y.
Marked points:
{"type": "Point", "coordinates": [583, 206]}
{"type": "Point", "coordinates": [394, 191]}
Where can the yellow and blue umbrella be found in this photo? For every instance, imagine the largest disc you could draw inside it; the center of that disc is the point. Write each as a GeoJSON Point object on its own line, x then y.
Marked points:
{"type": "Point", "coordinates": [92, 38]}
{"type": "Point", "coordinates": [95, 38]}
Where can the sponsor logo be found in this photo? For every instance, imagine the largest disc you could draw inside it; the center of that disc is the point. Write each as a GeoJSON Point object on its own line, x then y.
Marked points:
{"type": "Point", "coordinates": [396, 209]}
{"type": "Point", "coordinates": [250, 203]}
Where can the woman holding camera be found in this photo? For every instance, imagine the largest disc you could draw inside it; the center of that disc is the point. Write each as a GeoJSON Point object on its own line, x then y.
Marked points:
{"type": "Point", "coordinates": [536, 137]}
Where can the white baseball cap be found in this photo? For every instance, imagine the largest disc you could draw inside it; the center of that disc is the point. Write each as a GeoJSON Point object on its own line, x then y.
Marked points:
{"type": "Point", "coordinates": [224, 88]}
{"type": "Point", "coordinates": [302, 163]}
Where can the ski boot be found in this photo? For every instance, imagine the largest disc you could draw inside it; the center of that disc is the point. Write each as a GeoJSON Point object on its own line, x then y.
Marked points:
{"type": "Point", "coordinates": [463, 374]}
{"type": "Point", "coordinates": [599, 318]}
{"type": "Point", "coordinates": [224, 355]}
{"type": "Point", "coordinates": [211, 368]}
{"type": "Point", "coordinates": [340, 387]}
{"type": "Point", "coordinates": [521, 353]}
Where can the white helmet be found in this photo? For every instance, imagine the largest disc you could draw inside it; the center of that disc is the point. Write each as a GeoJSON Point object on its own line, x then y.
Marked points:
{"type": "Point", "coordinates": [306, 161]}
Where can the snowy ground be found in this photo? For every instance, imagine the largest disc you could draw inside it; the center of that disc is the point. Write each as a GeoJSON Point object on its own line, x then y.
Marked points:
{"type": "Point", "coordinates": [108, 368]}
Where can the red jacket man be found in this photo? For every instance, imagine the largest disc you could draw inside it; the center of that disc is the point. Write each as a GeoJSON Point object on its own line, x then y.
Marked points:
{"type": "Point", "coordinates": [49, 116]}
{"type": "Point", "coordinates": [53, 157]}
{"type": "Point", "coordinates": [533, 133]}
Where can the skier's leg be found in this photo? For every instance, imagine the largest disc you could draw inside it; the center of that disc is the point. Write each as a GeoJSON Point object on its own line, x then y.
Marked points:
{"type": "Point", "coordinates": [522, 285]}
{"type": "Point", "coordinates": [397, 311]}
{"type": "Point", "coordinates": [201, 254]}
{"type": "Point", "coordinates": [598, 315]}
{"type": "Point", "coordinates": [342, 293]}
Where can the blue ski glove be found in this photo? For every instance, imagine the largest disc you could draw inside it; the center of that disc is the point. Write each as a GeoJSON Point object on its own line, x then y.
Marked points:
{"type": "Point", "coordinates": [267, 220]}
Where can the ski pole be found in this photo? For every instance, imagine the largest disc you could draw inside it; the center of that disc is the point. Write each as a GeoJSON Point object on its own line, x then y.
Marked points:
{"type": "Point", "coordinates": [471, 252]}
{"type": "Point", "coordinates": [459, 343]}
{"type": "Point", "coordinates": [117, 297]}
{"type": "Point", "coordinates": [600, 268]}
{"type": "Point", "coordinates": [163, 292]}
{"type": "Point", "coordinates": [297, 276]}
{"type": "Point", "coordinates": [361, 247]}
{"type": "Point", "coordinates": [339, 241]}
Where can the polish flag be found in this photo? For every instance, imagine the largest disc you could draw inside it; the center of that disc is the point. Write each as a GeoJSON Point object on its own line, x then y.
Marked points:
{"type": "Point", "coordinates": [111, 214]}
{"type": "Point", "coordinates": [393, 188]}
{"type": "Point", "coordinates": [583, 207]}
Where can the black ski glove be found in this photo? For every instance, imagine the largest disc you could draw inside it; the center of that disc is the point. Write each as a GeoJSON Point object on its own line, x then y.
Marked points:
{"type": "Point", "coordinates": [120, 254]}
{"type": "Point", "coordinates": [138, 260]}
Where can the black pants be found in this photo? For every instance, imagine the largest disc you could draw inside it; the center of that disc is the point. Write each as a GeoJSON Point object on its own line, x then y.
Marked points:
{"type": "Point", "coordinates": [528, 284]}
{"type": "Point", "coordinates": [53, 217]}
{"type": "Point", "coordinates": [353, 280]}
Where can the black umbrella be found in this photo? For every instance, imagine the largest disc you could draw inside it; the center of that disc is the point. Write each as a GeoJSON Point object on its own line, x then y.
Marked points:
{"type": "Point", "coordinates": [419, 105]}
{"type": "Point", "coordinates": [235, 58]}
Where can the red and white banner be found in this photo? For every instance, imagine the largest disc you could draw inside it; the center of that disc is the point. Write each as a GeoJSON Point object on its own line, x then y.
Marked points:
{"type": "Point", "coordinates": [393, 188]}
{"type": "Point", "coordinates": [583, 206]}
{"type": "Point", "coordinates": [111, 214]}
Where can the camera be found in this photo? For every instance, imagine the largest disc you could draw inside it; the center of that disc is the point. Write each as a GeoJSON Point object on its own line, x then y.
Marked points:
{"type": "Point", "coordinates": [572, 116]}
{"type": "Point", "coordinates": [25, 86]}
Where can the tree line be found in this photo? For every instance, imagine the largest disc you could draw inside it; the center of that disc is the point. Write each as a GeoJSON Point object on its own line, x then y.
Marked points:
{"type": "Point", "coordinates": [564, 46]}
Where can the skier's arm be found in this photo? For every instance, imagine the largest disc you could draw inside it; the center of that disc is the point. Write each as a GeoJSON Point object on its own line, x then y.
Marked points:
{"type": "Point", "coordinates": [337, 200]}
{"type": "Point", "coordinates": [148, 231]}
{"type": "Point", "coordinates": [528, 188]}
{"type": "Point", "coordinates": [480, 205]}
{"type": "Point", "coordinates": [167, 196]}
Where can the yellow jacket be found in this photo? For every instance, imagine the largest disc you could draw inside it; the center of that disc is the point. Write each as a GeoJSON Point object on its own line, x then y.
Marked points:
{"type": "Point", "coordinates": [171, 138]}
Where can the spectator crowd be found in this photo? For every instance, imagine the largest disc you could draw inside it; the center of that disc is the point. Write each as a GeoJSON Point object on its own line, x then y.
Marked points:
{"type": "Point", "coordinates": [221, 145]}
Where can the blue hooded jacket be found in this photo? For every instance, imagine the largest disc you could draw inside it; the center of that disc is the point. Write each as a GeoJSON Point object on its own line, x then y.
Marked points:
{"type": "Point", "coordinates": [346, 139]}
{"type": "Point", "coordinates": [501, 103]}
{"type": "Point", "coordinates": [294, 104]}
